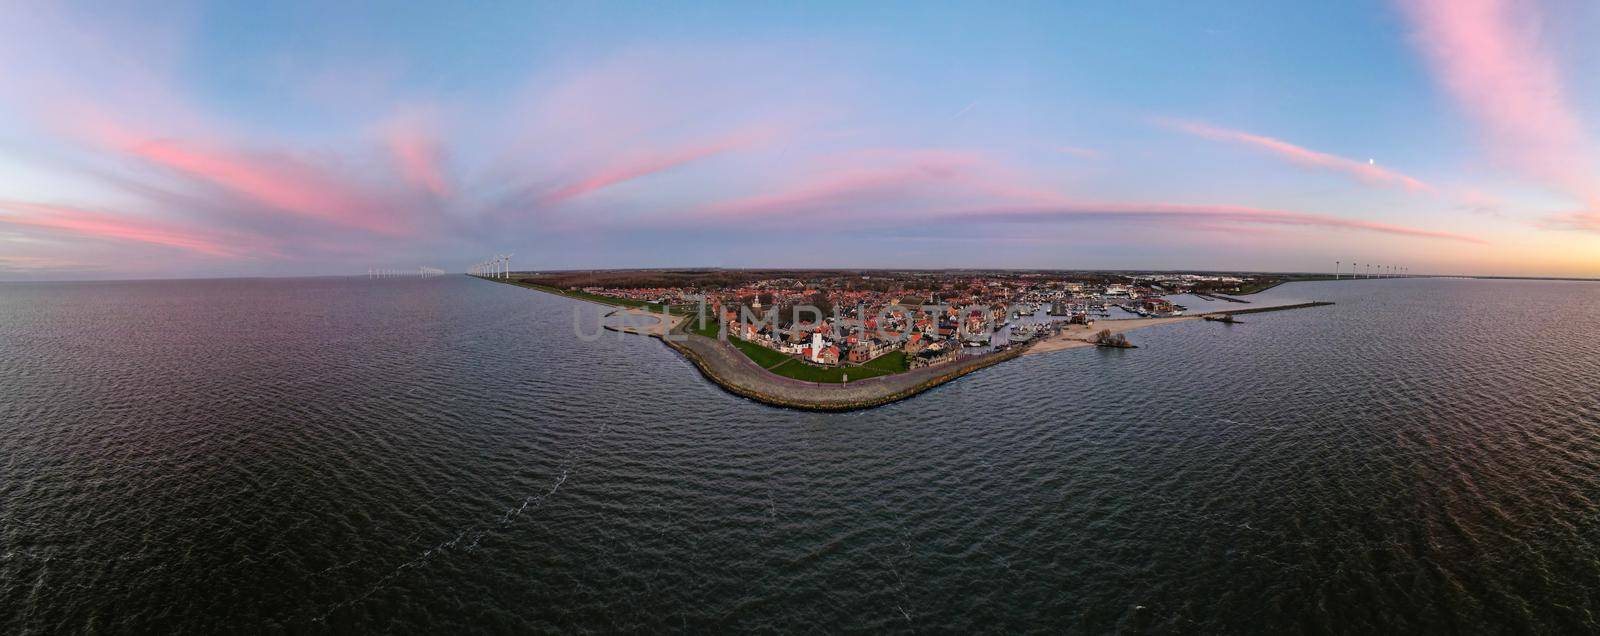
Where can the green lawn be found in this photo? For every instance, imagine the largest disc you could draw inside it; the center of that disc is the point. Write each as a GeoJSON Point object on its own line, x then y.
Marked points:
{"type": "Point", "coordinates": [801, 370]}
{"type": "Point", "coordinates": [1264, 285]}
{"type": "Point", "coordinates": [791, 367]}
{"type": "Point", "coordinates": [763, 356]}
{"type": "Point", "coordinates": [711, 329]}
{"type": "Point", "coordinates": [583, 295]}
{"type": "Point", "coordinates": [892, 362]}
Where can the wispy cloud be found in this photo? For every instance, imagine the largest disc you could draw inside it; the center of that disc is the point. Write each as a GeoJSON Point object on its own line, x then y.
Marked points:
{"type": "Point", "coordinates": [1580, 220]}
{"type": "Point", "coordinates": [102, 226]}
{"type": "Point", "coordinates": [36, 264]}
{"type": "Point", "coordinates": [275, 180]}
{"type": "Point", "coordinates": [420, 156]}
{"type": "Point", "coordinates": [1188, 215]}
{"type": "Point", "coordinates": [1364, 170]}
{"type": "Point", "coordinates": [1489, 56]}
{"type": "Point", "coordinates": [397, 166]}
{"type": "Point", "coordinates": [919, 189]}
{"type": "Point", "coordinates": [857, 186]}
{"type": "Point", "coordinates": [638, 165]}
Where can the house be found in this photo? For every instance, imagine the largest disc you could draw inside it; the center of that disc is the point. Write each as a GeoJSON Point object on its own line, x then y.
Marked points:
{"type": "Point", "coordinates": [820, 351]}
{"type": "Point", "coordinates": [865, 349]}
{"type": "Point", "coordinates": [859, 354]}
{"type": "Point", "coordinates": [915, 343]}
{"type": "Point", "coordinates": [934, 354]}
{"type": "Point", "coordinates": [829, 355]}
{"type": "Point", "coordinates": [975, 321]}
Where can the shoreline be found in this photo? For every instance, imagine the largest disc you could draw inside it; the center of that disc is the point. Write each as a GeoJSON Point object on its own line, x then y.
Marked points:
{"type": "Point", "coordinates": [1077, 336]}
{"type": "Point", "coordinates": [731, 370]}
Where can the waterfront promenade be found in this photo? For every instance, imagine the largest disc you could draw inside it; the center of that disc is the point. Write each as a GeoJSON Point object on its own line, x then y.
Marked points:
{"type": "Point", "coordinates": [731, 369]}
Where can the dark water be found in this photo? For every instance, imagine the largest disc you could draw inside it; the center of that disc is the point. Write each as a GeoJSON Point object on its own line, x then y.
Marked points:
{"type": "Point", "coordinates": [444, 455]}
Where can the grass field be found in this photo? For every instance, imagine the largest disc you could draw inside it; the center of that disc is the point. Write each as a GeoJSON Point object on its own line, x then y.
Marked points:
{"type": "Point", "coordinates": [1266, 284]}
{"type": "Point", "coordinates": [604, 300]}
{"type": "Point", "coordinates": [790, 367]}
{"type": "Point", "coordinates": [800, 370]}
{"type": "Point", "coordinates": [763, 356]}
{"type": "Point", "coordinates": [892, 362]}
{"type": "Point", "coordinates": [710, 330]}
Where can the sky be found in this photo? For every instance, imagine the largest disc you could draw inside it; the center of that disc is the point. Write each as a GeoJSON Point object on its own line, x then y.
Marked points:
{"type": "Point", "coordinates": [174, 139]}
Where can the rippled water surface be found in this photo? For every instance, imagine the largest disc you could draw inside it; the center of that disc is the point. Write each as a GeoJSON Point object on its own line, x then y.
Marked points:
{"type": "Point", "coordinates": [443, 455]}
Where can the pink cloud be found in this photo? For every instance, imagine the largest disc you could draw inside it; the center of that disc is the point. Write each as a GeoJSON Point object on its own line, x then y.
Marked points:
{"type": "Point", "coordinates": [1304, 156]}
{"type": "Point", "coordinates": [1487, 54]}
{"type": "Point", "coordinates": [914, 185]}
{"type": "Point", "coordinates": [33, 264]}
{"type": "Point", "coordinates": [638, 166]}
{"type": "Point", "coordinates": [420, 157]}
{"type": "Point", "coordinates": [1200, 216]}
{"type": "Point", "coordinates": [842, 189]}
{"type": "Point", "coordinates": [97, 225]}
{"type": "Point", "coordinates": [870, 177]}
{"type": "Point", "coordinates": [1586, 220]}
{"type": "Point", "coordinates": [275, 181]}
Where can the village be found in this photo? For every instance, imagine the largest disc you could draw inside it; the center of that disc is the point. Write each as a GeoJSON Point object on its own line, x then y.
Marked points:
{"type": "Point", "coordinates": [891, 321]}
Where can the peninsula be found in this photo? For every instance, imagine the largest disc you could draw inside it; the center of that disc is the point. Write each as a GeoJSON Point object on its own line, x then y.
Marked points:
{"type": "Point", "coordinates": [843, 340]}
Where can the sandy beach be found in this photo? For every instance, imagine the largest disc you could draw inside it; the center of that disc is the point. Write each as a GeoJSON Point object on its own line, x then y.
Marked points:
{"type": "Point", "coordinates": [640, 321]}
{"type": "Point", "coordinates": [1074, 336]}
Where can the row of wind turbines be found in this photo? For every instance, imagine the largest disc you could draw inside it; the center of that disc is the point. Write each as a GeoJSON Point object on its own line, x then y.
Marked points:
{"type": "Point", "coordinates": [497, 267]}
{"type": "Point", "coordinates": [422, 272]}
{"type": "Point", "coordinates": [1383, 271]}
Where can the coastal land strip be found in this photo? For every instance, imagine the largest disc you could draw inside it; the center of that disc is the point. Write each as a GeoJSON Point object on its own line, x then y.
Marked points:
{"type": "Point", "coordinates": [729, 368]}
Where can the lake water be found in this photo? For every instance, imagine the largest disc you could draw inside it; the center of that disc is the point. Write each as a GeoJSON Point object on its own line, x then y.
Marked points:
{"type": "Point", "coordinates": [446, 455]}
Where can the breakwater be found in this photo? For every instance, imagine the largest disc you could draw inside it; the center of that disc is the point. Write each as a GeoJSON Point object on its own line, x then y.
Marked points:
{"type": "Point", "coordinates": [1259, 310]}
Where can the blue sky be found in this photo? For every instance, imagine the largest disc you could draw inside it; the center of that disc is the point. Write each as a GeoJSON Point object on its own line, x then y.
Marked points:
{"type": "Point", "coordinates": [177, 139]}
